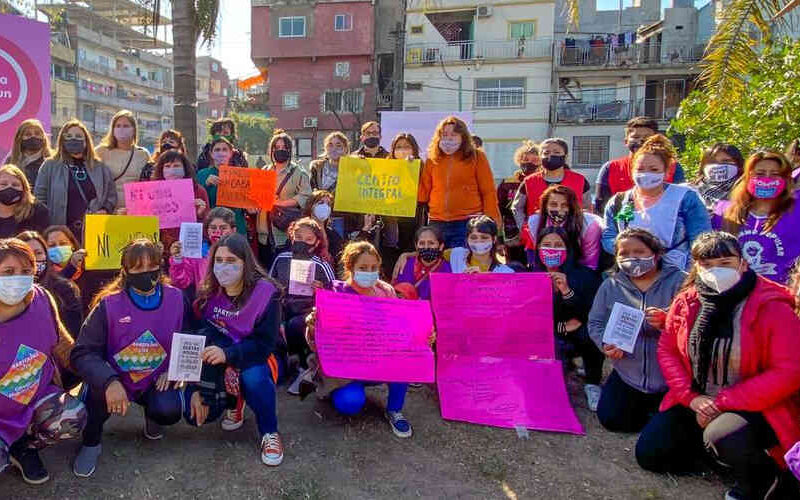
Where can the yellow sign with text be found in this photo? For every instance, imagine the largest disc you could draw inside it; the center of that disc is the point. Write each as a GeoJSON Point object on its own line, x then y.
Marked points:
{"type": "Point", "coordinates": [106, 236]}
{"type": "Point", "coordinates": [376, 186]}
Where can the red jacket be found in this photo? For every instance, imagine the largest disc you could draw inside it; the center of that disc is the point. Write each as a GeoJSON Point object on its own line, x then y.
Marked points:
{"type": "Point", "coordinates": [535, 185]}
{"type": "Point", "coordinates": [770, 364]}
{"type": "Point", "coordinates": [620, 176]}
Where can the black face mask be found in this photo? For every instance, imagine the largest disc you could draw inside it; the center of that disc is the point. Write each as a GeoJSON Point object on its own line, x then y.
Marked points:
{"type": "Point", "coordinates": [32, 144]}
{"type": "Point", "coordinates": [556, 218]}
{"type": "Point", "coordinates": [74, 146]}
{"type": "Point", "coordinates": [553, 162]}
{"type": "Point", "coordinates": [301, 249]}
{"type": "Point", "coordinates": [634, 146]}
{"type": "Point", "coordinates": [429, 254]}
{"type": "Point", "coordinates": [372, 142]}
{"type": "Point", "coordinates": [528, 168]}
{"type": "Point", "coordinates": [167, 146]}
{"type": "Point", "coordinates": [10, 196]}
{"type": "Point", "coordinates": [281, 155]}
{"type": "Point", "coordinates": [144, 282]}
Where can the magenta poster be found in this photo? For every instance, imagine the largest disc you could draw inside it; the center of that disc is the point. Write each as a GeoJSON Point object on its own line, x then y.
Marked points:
{"type": "Point", "coordinates": [24, 76]}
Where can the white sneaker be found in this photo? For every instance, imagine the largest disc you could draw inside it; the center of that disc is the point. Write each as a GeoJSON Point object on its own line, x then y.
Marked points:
{"type": "Point", "coordinates": [592, 395]}
{"type": "Point", "coordinates": [234, 417]}
{"type": "Point", "coordinates": [272, 449]}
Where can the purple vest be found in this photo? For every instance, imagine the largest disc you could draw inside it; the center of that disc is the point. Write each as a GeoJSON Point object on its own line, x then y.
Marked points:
{"type": "Point", "coordinates": [424, 287]}
{"type": "Point", "coordinates": [26, 369]}
{"type": "Point", "coordinates": [235, 323]}
{"type": "Point", "coordinates": [139, 341]}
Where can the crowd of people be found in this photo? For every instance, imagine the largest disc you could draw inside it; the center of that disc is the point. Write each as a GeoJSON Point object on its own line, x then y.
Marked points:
{"type": "Point", "coordinates": [711, 261]}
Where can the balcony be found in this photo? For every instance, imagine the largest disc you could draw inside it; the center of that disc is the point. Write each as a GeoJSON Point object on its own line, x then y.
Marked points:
{"type": "Point", "coordinates": [658, 108]}
{"type": "Point", "coordinates": [141, 104]}
{"type": "Point", "coordinates": [620, 57]}
{"type": "Point", "coordinates": [584, 112]}
{"type": "Point", "coordinates": [478, 50]}
{"type": "Point", "coordinates": [122, 75]}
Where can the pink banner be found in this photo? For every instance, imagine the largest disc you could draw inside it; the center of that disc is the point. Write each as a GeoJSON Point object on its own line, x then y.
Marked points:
{"type": "Point", "coordinates": [24, 76]}
{"type": "Point", "coordinates": [171, 201]}
{"type": "Point", "coordinates": [374, 339]}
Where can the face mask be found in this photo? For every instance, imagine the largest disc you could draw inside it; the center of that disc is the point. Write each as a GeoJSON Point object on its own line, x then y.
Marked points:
{"type": "Point", "coordinates": [720, 279]}
{"type": "Point", "coordinates": [634, 146]}
{"type": "Point", "coordinates": [481, 248]}
{"type": "Point", "coordinates": [74, 146]}
{"type": "Point", "coordinates": [281, 155]}
{"type": "Point", "coordinates": [228, 274]}
{"type": "Point", "coordinates": [10, 195]}
{"type": "Point", "coordinates": [220, 158]}
{"type": "Point", "coordinates": [322, 211]}
{"type": "Point", "coordinates": [335, 153]}
{"type": "Point", "coordinates": [766, 188]}
{"type": "Point", "coordinates": [557, 218]}
{"type": "Point", "coordinates": [636, 267]}
{"type": "Point", "coordinates": [143, 282]}
{"type": "Point", "coordinates": [449, 146]}
{"type": "Point", "coordinates": [553, 162]}
{"type": "Point", "coordinates": [32, 144]}
{"type": "Point", "coordinates": [174, 173]}
{"type": "Point", "coordinates": [648, 180]}
{"type": "Point", "coordinates": [14, 288]}
{"type": "Point", "coordinates": [552, 257]}
{"type": "Point", "coordinates": [301, 249]}
{"type": "Point", "coordinates": [528, 168]}
{"type": "Point", "coordinates": [429, 254]}
{"type": "Point", "coordinates": [372, 142]}
{"type": "Point", "coordinates": [123, 133]}
{"type": "Point", "coordinates": [59, 255]}
{"type": "Point", "coordinates": [715, 173]}
{"type": "Point", "coordinates": [365, 279]}
{"type": "Point", "coordinates": [167, 146]}
{"type": "Point", "coordinates": [41, 267]}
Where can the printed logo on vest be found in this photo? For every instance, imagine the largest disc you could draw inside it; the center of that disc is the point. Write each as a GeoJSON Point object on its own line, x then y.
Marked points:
{"type": "Point", "coordinates": [141, 357]}
{"type": "Point", "coordinates": [21, 381]}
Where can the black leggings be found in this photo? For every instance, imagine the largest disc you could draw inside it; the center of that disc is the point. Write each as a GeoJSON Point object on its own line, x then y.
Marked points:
{"type": "Point", "coordinates": [296, 338]}
{"type": "Point", "coordinates": [623, 408]}
{"type": "Point", "coordinates": [578, 343]}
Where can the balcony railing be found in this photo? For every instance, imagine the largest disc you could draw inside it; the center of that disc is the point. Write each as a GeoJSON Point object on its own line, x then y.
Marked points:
{"type": "Point", "coordinates": [606, 55]}
{"type": "Point", "coordinates": [476, 50]}
{"type": "Point", "coordinates": [145, 106]}
{"type": "Point", "coordinates": [122, 75]}
{"type": "Point", "coordinates": [660, 109]}
{"type": "Point", "coordinates": [582, 112]}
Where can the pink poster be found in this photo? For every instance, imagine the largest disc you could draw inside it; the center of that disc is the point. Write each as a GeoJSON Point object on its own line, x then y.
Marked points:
{"type": "Point", "coordinates": [374, 339]}
{"type": "Point", "coordinates": [24, 76]}
{"type": "Point", "coordinates": [171, 201]}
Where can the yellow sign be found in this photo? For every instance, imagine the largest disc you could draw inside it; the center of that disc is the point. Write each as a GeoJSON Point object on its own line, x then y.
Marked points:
{"type": "Point", "coordinates": [107, 235]}
{"type": "Point", "coordinates": [375, 186]}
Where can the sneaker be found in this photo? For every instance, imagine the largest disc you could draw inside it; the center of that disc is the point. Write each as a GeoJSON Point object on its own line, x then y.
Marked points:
{"type": "Point", "coordinates": [272, 449]}
{"type": "Point", "coordinates": [734, 494]}
{"type": "Point", "coordinates": [592, 395]}
{"type": "Point", "coordinates": [234, 417]}
{"type": "Point", "coordinates": [294, 387]}
{"type": "Point", "coordinates": [152, 430]}
{"type": "Point", "coordinates": [29, 463]}
{"type": "Point", "coordinates": [86, 461]}
{"type": "Point", "coordinates": [400, 426]}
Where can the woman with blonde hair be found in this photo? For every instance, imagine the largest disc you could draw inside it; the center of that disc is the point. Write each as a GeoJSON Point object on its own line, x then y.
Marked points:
{"type": "Point", "coordinates": [19, 210]}
{"type": "Point", "coordinates": [763, 214]}
{"type": "Point", "coordinates": [526, 158]}
{"type": "Point", "coordinates": [30, 149]}
{"type": "Point", "coordinates": [325, 169]}
{"type": "Point", "coordinates": [74, 181]}
{"type": "Point", "coordinates": [119, 151]}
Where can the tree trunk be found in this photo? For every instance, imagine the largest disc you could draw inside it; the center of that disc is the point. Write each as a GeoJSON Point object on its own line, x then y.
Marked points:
{"type": "Point", "coordinates": [184, 37]}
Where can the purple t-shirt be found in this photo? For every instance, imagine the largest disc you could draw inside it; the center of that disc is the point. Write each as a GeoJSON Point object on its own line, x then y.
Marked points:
{"type": "Point", "coordinates": [235, 323]}
{"type": "Point", "coordinates": [424, 286]}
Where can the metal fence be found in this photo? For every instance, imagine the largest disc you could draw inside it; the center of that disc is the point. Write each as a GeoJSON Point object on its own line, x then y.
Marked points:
{"type": "Point", "coordinates": [584, 54]}
{"type": "Point", "coordinates": [469, 50]}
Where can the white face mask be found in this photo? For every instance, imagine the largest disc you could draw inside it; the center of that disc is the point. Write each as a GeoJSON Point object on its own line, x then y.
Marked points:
{"type": "Point", "coordinates": [648, 180]}
{"type": "Point", "coordinates": [449, 146]}
{"type": "Point", "coordinates": [322, 211]}
{"type": "Point", "coordinates": [720, 279]}
{"type": "Point", "coordinates": [15, 288]}
{"type": "Point", "coordinates": [717, 173]}
{"type": "Point", "coordinates": [228, 274]}
{"type": "Point", "coordinates": [173, 173]}
{"type": "Point", "coordinates": [481, 248]}
{"type": "Point", "coordinates": [365, 279]}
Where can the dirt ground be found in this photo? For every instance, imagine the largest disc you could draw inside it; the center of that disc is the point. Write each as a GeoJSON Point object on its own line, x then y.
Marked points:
{"type": "Point", "coordinates": [329, 456]}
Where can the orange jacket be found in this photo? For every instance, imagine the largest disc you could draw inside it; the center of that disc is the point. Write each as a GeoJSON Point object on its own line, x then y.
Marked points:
{"type": "Point", "coordinates": [456, 188]}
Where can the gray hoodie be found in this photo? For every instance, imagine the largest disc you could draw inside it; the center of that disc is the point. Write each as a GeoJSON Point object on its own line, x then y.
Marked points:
{"type": "Point", "coordinates": [640, 369]}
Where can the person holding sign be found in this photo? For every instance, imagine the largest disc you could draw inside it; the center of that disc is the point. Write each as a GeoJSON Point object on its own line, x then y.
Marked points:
{"type": "Point", "coordinates": [405, 147]}
{"type": "Point", "coordinates": [482, 254]}
{"type": "Point", "coordinates": [241, 310]}
{"type": "Point", "coordinates": [320, 208]}
{"type": "Point", "coordinates": [429, 258]}
{"type": "Point", "coordinates": [35, 412]}
{"type": "Point", "coordinates": [31, 148]}
{"type": "Point", "coordinates": [633, 391]}
{"type": "Point", "coordinates": [371, 142]}
{"type": "Point", "coordinates": [574, 289]}
{"type": "Point", "coordinates": [221, 154]}
{"type": "Point", "coordinates": [19, 210]}
{"type": "Point", "coordinates": [325, 169]}
{"type": "Point", "coordinates": [121, 154]}
{"type": "Point", "coordinates": [729, 355]}
{"type": "Point", "coordinates": [122, 353]}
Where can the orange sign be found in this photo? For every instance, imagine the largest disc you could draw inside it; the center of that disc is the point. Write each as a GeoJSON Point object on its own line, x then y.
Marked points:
{"type": "Point", "coordinates": [251, 188]}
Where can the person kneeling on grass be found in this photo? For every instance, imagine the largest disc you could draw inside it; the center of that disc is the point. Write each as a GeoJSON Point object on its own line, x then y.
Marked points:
{"type": "Point", "coordinates": [122, 352]}
{"type": "Point", "coordinates": [241, 311]}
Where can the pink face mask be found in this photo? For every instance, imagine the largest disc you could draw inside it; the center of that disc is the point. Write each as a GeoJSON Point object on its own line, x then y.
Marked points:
{"type": "Point", "coordinates": [552, 257]}
{"type": "Point", "coordinates": [766, 188]}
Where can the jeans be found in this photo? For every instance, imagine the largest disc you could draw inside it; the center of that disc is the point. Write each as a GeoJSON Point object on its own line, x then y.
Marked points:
{"type": "Point", "coordinates": [578, 343]}
{"type": "Point", "coordinates": [623, 408]}
{"type": "Point", "coordinates": [350, 399]}
{"type": "Point", "coordinates": [455, 232]}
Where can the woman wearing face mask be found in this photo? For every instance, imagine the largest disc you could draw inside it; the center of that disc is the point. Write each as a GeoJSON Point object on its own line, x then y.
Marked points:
{"type": "Point", "coordinates": [527, 160]}
{"type": "Point", "coordinates": [66, 293]}
{"type": "Point", "coordinates": [241, 311]}
{"type": "Point", "coordinates": [720, 168]}
{"type": "Point", "coordinates": [481, 254]}
{"type": "Point", "coordinates": [35, 412]}
{"type": "Point", "coordinates": [308, 243]}
{"type": "Point", "coordinates": [122, 352]}
{"type": "Point", "coordinates": [574, 288]}
{"type": "Point", "coordinates": [674, 213]}
{"type": "Point", "coordinates": [74, 182]}
{"type": "Point", "coordinates": [325, 169]}
{"type": "Point", "coordinates": [456, 182]}
{"type": "Point", "coordinates": [429, 258]}
{"type": "Point", "coordinates": [729, 356]}
{"type": "Point", "coordinates": [224, 128]}
{"type": "Point", "coordinates": [763, 213]}
{"type": "Point", "coordinates": [560, 207]}
{"type": "Point", "coordinates": [170, 140]}
{"type": "Point", "coordinates": [633, 391]}
{"type": "Point", "coordinates": [292, 193]}
{"type": "Point", "coordinates": [221, 154]}
{"type": "Point", "coordinates": [121, 154]}
{"type": "Point", "coordinates": [19, 210]}
{"type": "Point", "coordinates": [320, 207]}
{"type": "Point", "coordinates": [31, 148]}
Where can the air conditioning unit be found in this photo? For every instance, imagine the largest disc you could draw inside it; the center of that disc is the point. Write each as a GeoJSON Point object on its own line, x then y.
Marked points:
{"type": "Point", "coordinates": [484, 10]}
{"type": "Point", "coordinates": [310, 122]}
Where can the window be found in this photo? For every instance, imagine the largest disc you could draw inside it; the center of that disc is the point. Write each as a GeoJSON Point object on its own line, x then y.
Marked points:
{"type": "Point", "coordinates": [214, 113]}
{"type": "Point", "coordinates": [521, 29]}
{"type": "Point", "coordinates": [341, 101]}
{"type": "Point", "coordinates": [342, 70]}
{"type": "Point", "coordinates": [291, 100]}
{"type": "Point", "coordinates": [343, 22]}
{"type": "Point", "coordinates": [303, 147]}
{"type": "Point", "coordinates": [599, 95]}
{"type": "Point", "coordinates": [214, 67]}
{"type": "Point", "coordinates": [500, 93]}
{"type": "Point", "coordinates": [413, 86]}
{"type": "Point", "coordinates": [416, 30]}
{"type": "Point", "coordinates": [589, 151]}
{"type": "Point", "coordinates": [216, 87]}
{"type": "Point", "coordinates": [103, 60]}
{"type": "Point", "coordinates": [53, 102]}
{"type": "Point", "coordinates": [292, 27]}
{"type": "Point", "coordinates": [64, 111]}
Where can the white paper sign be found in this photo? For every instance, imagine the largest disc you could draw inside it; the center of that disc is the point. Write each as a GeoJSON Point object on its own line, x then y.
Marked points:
{"type": "Point", "coordinates": [623, 327]}
{"type": "Point", "coordinates": [191, 238]}
{"type": "Point", "coordinates": [301, 276]}
{"type": "Point", "coordinates": [185, 358]}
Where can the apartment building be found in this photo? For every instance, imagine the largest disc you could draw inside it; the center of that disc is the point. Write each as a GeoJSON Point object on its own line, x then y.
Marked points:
{"type": "Point", "coordinates": [213, 85]}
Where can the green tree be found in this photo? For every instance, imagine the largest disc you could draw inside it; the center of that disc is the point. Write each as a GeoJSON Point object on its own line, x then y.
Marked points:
{"type": "Point", "coordinates": [253, 131]}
